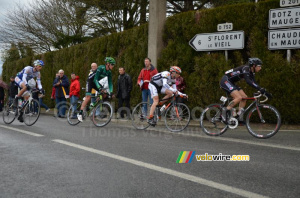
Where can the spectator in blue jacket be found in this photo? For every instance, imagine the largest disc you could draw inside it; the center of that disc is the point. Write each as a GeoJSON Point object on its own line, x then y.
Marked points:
{"type": "Point", "coordinates": [61, 84]}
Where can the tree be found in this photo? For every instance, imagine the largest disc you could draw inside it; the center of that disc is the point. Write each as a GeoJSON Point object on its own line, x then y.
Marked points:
{"type": "Point", "coordinates": [46, 24]}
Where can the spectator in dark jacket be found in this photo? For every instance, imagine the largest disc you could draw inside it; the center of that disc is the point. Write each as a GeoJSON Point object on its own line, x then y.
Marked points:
{"type": "Point", "coordinates": [123, 92]}
{"type": "Point", "coordinates": [13, 89]}
{"type": "Point", "coordinates": [180, 86]}
{"type": "Point", "coordinates": [2, 96]}
{"type": "Point", "coordinates": [61, 85]}
{"type": "Point", "coordinates": [74, 93]}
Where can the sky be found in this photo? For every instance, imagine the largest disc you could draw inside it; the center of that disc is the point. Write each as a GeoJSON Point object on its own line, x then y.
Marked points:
{"type": "Point", "coordinates": [6, 5]}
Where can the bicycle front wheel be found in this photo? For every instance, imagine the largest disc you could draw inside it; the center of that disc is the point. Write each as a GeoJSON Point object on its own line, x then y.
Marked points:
{"type": "Point", "coordinates": [31, 112]}
{"type": "Point", "coordinates": [177, 117]}
{"type": "Point", "coordinates": [72, 115]}
{"type": "Point", "coordinates": [263, 121]}
{"type": "Point", "coordinates": [139, 115]}
{"type": "Point", "coordinates": [102, 114]}
{"type": "Point", "coordinates": [210, 120]}
{"type": "Point", "coordinates": [9, 113]}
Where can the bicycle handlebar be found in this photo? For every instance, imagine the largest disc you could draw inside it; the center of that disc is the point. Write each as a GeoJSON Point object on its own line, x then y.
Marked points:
{"type": "Point", "coordinates": [260, 95]}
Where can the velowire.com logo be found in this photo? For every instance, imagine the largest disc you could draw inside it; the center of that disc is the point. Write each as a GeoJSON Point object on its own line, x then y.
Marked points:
{"type": "Point", "coordinates": [187, 157]}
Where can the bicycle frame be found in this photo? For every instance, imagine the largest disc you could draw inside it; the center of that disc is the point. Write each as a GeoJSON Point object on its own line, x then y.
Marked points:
{"type": "Point", "coordinates": [256, 102]}
{"type": "Point", "coordinates": [173, 97]}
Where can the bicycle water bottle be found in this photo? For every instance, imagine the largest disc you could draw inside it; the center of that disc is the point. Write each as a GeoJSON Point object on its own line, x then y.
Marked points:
{"type": "Point", "coordinates": [234, 112]}
{"type": "Point", "coordinates": [162, 108]}
{"type": "Point", "coordinates": [20, 102]}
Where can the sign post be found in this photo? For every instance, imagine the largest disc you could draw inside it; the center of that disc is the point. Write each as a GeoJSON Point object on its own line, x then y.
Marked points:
{"type": "Point", "coordinates": [225, 27]}
{"type": "Point", "coordinates": [218, 41]}
{"type": "Point", "coordinates": [285, 3]}
{"type": "Point", "coordinates": [285, 18]}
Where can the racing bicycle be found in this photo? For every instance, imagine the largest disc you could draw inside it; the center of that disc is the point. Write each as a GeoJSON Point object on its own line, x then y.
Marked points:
{"type": "Point", "coordinates": [31, 109]}
{"type": "Point", "coordinates": [100, 112]}
{"type": "Point", "coordinates": [176, 115]}
{"type": "Point", "coordinates": [262, 121]}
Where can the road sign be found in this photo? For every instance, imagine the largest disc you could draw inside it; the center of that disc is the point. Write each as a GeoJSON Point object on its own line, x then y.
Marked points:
{"type": "Point", "coordinates": [225, 27]}
{"type": "Point", "coordinates": [218, 41]}
{"type": "Point", "coordinates": [284, 17]}
{"type": "Point", "coordinates": [284, 39]}
{"type": "Point", "coordinates": [285, 3]}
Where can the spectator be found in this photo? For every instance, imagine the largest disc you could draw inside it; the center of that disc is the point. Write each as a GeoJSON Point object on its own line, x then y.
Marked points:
{"type": "Point", "coordinates": [74, 93]}
{"type": "Point", "coordinates": [123, 92]}
{"type": "Point", "coordinates": [53, 89]}
{"type": "Point", "coordinates": [94, 67]}
{"type": "Point", "coordinates": [61, 85]}
{"type": "Point", "coordinates": [13, 89]}
{"type": "Point", "coordinates": [143, 81]}
{"type": "Point", "coordinates": [2, 96]}
{"type": "Point", "coordinates": [43, 104]}
{"type": "Point", "coordinates": [180, 86]}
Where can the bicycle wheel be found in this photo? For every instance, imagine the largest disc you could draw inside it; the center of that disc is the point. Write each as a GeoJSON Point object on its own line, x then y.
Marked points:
{"type": "Point", "coordinates": [31, 112]}
{"type": "Point", "coordinates": [139, 115]}
{"type": "Point", "coordinates": [263, 122]}
{"type": "Point", "coordinates": [210, 120]}
{"type": "Point", "coordinates": [9, 113]}
{"type": "Point", "coordinates": [102, 114]}
{"type": "Point", "coordinates": [177, 117]}
{"type": "Point", "coordinates": [72, 116]}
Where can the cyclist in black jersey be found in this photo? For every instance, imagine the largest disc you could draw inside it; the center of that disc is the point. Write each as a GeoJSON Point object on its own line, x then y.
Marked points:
{"type": "Point", "coordinates": [232, 76]}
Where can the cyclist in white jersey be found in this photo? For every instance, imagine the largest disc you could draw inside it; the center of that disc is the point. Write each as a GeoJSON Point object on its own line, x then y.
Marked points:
{"type": "Point", "coordinates": [164, 83]}
{"type": "Point", "coordinates": [24, 76]}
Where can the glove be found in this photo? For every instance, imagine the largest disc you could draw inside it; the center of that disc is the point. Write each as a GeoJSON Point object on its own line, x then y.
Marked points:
{"type": "Point", "coordinates": [269, 95]}
{"type": "Point", "coordinates": [262, 90]}
{"type": "Point", "coordinates": [42, 91]}
{"type": "Point", "coordinates": [28, 87]}
{"type": "Point", "coordinates": [110, 95]}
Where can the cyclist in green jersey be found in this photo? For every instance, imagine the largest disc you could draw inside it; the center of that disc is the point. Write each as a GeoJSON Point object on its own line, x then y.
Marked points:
{"type": "Point", "coordinates": [93, 82]}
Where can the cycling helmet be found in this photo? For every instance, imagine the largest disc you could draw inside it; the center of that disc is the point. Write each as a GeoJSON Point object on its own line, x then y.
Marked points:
{"type": "Point", "coordinates": [254, 61]}
{"type": "Point", "coordinates": [110, 60]}
{"type": "Point", "coordinates": [175, 69]}
{"type": "Point", "coordinates": [38, 62]}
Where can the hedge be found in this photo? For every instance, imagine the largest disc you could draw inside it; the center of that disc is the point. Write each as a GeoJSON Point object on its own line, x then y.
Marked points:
{"type": "Point", "coordinates": [201, 70]}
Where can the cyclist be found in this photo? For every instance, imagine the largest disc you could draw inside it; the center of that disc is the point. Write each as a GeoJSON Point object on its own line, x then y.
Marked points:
{"type": "Point", "coordinates": [22, 79]}
{"type": "Point", "coordinates": [93, 82]}
{"type": "Point", "coordinates": [164, 83]}
{"type": "Point", "coordinates": [232, 76]}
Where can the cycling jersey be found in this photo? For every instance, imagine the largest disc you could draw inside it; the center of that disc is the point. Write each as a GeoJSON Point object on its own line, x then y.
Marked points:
{"type": "Point", "coordinates": [161, 82]}
{"type": "Point", "coordinates": [102, 73]}
{"type": "Point", "coordinates": [26, 74]}
{"type": "Point", "coordinates": [94, 78]}
{"type": "Point", "coordinates": [163, 79]}
{"type": "Point", "coordinates": [237, 74]}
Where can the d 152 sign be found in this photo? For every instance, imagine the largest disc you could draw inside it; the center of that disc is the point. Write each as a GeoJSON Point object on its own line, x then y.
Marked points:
{"type": "Point", "coordinates": [225, 27]}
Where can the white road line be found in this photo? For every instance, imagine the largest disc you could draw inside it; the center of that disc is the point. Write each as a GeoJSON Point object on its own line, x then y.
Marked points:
{"type": "Point", "coordinates": [21, 131]}
{"type": "Point", "coordinates": [185, 176]}
{"type": "Point", "coordinates": [233, 140]}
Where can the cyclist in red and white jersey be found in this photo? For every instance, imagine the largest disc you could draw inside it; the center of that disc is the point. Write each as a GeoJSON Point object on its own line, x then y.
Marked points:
{"type": "Point", "coordinates": [164, 83]}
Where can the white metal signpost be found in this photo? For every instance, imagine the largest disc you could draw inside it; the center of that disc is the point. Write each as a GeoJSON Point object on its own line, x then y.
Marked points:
{"type": "Point", "coordinates": [285, 3]}
{"type": "Point", "coordinates": [284, 39]}
{"type": "Point", "coordinates": [218, 41]}
{"type": "Point", "coordinates": [284, 17]}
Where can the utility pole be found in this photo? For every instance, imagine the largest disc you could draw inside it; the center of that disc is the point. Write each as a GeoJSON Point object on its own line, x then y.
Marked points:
{"type": "Point", "coordinates": [157, 18]}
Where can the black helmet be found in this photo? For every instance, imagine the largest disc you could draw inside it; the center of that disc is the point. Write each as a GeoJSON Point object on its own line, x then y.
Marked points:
{"type": "Point", "coordinates": [254, 61]}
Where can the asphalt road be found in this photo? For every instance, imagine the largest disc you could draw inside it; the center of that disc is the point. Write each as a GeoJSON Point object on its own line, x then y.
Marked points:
{"type": "Point", "coordinates": [54, 159]}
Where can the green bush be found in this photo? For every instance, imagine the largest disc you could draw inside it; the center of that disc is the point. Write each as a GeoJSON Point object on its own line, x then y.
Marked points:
{"type": "Point", "coordinates": [201, 70]}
